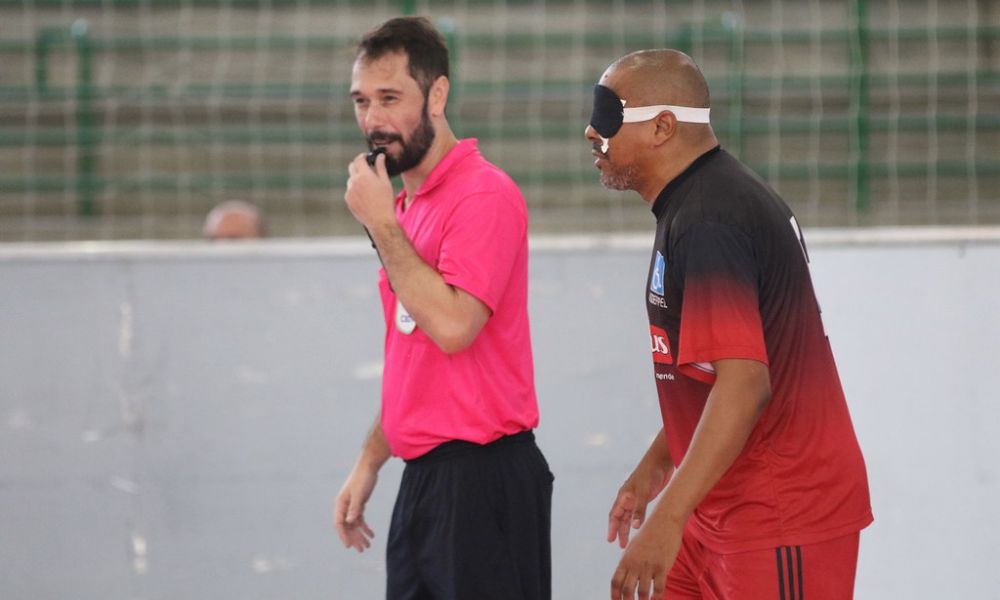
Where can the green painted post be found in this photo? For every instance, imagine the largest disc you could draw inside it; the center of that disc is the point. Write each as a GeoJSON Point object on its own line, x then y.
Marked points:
{"type": "Point", "coordinates": [685, 39]}
{"type": "Point", "coordinates": [447, 28]}
{"type": "Point", "coordinates": [859, 167]}
{"type": "Point", "coordinates": [86, 129]}
{"type": "Point", "coordinates": [733, 24]}
{"type": "Point", "coordinates": [43, 41]}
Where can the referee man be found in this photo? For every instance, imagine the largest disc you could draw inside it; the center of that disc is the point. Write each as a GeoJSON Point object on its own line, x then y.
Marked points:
{"type": "Point", "coordinates": [472, 516]}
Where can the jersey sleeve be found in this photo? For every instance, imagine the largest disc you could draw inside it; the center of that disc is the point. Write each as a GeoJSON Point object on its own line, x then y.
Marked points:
{"type": "Point", "coordinates": [482, 238]}
{"type": "Point", "coordinates": [720, 314]}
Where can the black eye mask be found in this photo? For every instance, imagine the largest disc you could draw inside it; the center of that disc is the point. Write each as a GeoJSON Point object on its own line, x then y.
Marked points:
{"type": "Point", "coordinates": [606, 119]}
{"type": "Point", "coordinates": [610, 114]}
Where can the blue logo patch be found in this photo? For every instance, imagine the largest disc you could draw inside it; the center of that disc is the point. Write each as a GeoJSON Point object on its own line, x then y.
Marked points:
{"type": "Point", "coordinates": [656, 283]}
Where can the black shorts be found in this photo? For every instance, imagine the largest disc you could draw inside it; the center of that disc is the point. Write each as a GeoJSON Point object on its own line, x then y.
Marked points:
{"type": "Point", "coordinates": [473, 522]}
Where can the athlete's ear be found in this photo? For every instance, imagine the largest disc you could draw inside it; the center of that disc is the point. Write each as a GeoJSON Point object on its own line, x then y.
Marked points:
{"type": "Point", "coordinates": [437, 96]}
{"type": "Point", "coordinates": [666, 127]}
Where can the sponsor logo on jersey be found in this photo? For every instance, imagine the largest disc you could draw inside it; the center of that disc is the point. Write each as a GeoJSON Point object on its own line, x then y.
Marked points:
{"type": "Point", "coordinates": [656, 281]}
{"type": "Point", "coordinates": [660, 346]}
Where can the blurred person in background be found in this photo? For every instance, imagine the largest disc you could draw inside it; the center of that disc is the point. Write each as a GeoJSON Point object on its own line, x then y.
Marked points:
{"type": "Point", "coordinates": [762, 485]}
{"type": "Point", "coordinates": [234, 220]}
{"type": "Point", "coordinates": [472, 515]}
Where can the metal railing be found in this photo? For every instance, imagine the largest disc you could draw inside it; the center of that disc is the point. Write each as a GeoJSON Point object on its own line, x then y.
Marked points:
{"type": "Point", "coordinates": [734, 90]}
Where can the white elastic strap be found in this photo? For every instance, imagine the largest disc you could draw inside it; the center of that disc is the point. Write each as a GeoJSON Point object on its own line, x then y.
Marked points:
{"type": "Point", "coordinates": [684, 114]}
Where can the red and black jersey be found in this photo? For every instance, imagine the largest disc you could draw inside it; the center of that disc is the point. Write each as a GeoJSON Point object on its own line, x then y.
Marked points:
{"type": "Point", "coordinates": [729, 278]}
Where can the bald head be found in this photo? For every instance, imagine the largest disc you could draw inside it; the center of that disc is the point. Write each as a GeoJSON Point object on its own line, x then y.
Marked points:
{"type": "Point", "coordinates": [233, 220]}
{"type": "Point", "coordinates": [650, 120]}
{"type": "Point", "coordinates": [650, 77]}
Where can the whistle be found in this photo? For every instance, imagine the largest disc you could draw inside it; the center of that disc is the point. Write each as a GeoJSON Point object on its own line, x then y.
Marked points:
{"type": "Point", "coordinates": [373, 154]}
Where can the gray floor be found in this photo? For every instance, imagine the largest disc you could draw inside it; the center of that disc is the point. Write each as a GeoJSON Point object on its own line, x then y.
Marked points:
{"type": "Point", "coordinates": [176, 420]}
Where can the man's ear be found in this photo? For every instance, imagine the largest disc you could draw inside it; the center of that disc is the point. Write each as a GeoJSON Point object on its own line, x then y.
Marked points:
{"type": "Point", "coordinates": [666, 127]}
{"type": "Point", "coordinates": [437, 97]}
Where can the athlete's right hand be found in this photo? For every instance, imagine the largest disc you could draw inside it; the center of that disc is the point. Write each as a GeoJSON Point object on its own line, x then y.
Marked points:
{"type": "Point", "coordinates": [349, 511]}
{"type": "Point", "coordinates": [629, 509]}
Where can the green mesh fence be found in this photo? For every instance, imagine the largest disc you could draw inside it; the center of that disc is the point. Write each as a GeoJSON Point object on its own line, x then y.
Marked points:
{"type": "Point", "coordinates": [131, 118]}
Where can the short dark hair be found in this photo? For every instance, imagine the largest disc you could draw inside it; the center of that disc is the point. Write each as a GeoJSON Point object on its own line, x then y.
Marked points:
{"type": "Point", "coordinates": [423, 45]}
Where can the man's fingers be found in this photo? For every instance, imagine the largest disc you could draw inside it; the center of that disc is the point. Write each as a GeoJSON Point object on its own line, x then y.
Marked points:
{"type": "Point", "coordinates": [363, 528]}
{"type": "Point", "coordinates": [345, 534]}
{"type": "Point", "coordinates": [345, 539]}
{"type": "Point", "coordinates": [612, 528]}
{"type": "Point", "coordinates": [360, 542]}
{"type": "Point", "coordinates": [355, 510]}
{"type": "Point", "coordinates": [340, 517]}
{"type": "Point", "coordinates": [613, 517]}
{"type": "Point", "coordinates": [659, 584]}
{"type": "Point", "coordinates": [351, 526]}
{"type": "Point", "coordinates": [340, 508]}
{"type": "Point", "coordinates": [624, 502]}
{"type": "Point", "coordinates": [618, 526]}
{"type": "Point", "coordinates": [368, 530]}
{"type": "Point", "coordinates": [623, 532]}
{"type": "Point", "coordinates": [348, 512]}
{"type": "Point", "coordinates": [628, 587]}
{"type": "Point", "coordinates": [354, 168]}
{"type": "Point", "coordinates": [619, 514]}
{"type": "Point", "coordinates": [380, 168]}
{"type": "Point", "coordinates": [638, 517]}
{"type": "Point", "coordinates": [643, 586]}
{"type": "Point", "coordinates": [625, 526]}
{"type": "Point", "coordinates": [357, 536]}
{"type": "Point", "coordinates": [617, 582]}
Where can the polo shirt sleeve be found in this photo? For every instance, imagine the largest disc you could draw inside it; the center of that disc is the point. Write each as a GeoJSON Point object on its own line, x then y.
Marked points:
{"type": "Point", "coordinates": [482, 238]}
{"type": "Point", "coordinates": [720, 314]}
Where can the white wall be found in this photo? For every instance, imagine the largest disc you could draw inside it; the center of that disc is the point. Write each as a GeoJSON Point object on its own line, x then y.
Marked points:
{"type": "Point", "coordinates": [176, 419]}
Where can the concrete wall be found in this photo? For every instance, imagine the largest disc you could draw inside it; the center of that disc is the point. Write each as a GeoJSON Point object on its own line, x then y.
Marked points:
{"type": "Point", "coordinates": [175, 420]}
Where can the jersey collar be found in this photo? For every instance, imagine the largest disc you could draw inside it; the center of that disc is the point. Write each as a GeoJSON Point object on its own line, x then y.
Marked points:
{"type": "Point", "coordinates": [660, 205]}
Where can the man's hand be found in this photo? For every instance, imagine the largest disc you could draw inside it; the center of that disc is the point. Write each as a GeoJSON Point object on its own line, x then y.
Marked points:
{"type": "Point", "coordinates": [629, 509]}
{"type": "Point", "coordinates": [349, 512]}
{"type": "Point", "coordinates": [369, 192]}
{"type": "Point", "coordinates": [647, 560]}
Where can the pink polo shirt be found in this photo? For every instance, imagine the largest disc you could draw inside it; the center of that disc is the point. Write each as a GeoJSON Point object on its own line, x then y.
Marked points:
{"type": "Point", "coordinates": [468, 220]}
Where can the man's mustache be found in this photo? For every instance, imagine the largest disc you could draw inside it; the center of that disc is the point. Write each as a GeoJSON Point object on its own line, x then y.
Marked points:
{"type": "Point", "coordinates": [381, 138]}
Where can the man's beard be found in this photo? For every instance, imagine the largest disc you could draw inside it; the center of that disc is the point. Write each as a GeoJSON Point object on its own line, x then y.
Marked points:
{"type": "Point", "coordinates": [619, 178]}
{"type": "Point", "coordinates": [413, 151]}
{"type": "Point", "coordinates": [616, 178]}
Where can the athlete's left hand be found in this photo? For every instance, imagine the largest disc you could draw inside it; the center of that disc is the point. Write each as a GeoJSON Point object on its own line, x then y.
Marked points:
{"type": "Point", "coordinates": [646, 561]}
{"type": "Point", "coordinates": [369, 192]}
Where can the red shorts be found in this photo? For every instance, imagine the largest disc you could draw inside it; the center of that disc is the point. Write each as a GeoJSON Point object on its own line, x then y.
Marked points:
{"type": "Point", "coordinates": [822, 571]}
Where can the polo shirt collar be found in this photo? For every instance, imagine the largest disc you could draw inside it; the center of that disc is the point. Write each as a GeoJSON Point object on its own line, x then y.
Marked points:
{"type": "Point", "coordinates": [462, 149]}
